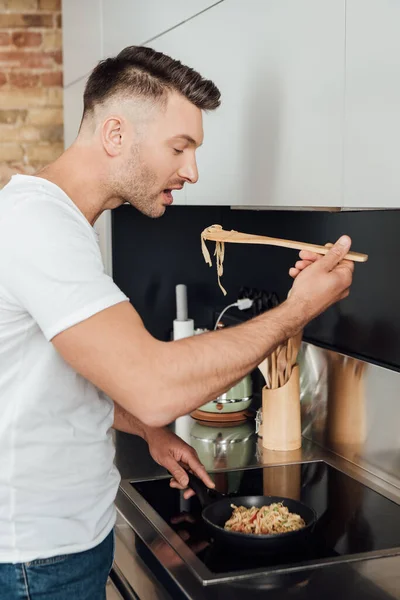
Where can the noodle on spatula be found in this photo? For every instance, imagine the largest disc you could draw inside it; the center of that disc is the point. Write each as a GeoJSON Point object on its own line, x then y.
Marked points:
{"type": "Point", "coordinates": [219, 253]}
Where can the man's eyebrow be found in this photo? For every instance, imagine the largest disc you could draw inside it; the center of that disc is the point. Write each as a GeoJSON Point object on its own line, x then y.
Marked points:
{"type": "Point", "coordinates": [188, 138]}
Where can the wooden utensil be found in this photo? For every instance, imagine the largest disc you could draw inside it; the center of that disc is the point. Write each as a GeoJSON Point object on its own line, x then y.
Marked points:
{"type": "Point", "coordinates": [273, 371]}
{"type": "Point", "coordinates": [295, 347]}
{"type": "Point", "coordinates": [281, 363]}
{"type": "Point", "coordinates": [217, 234]}
{"type": "Point", "coordinates": [263, 366]}
{"type": "Point", "coordinates": [288, 359]}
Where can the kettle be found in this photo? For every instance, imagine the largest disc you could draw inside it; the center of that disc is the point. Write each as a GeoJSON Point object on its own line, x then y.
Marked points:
{"type": "Point", "coordinates": [239, 396]}
{"type": "Point", "coordinates": [236, 399]}
{"type": "Point", "coordinates": [223, 447]}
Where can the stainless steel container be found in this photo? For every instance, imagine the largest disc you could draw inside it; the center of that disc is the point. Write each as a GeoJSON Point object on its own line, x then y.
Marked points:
{"type": "Point", "coordinates": [222, 447]}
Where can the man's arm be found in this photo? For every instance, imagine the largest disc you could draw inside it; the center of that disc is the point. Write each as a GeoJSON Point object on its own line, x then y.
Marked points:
{"type": "Point", "coordinates": [158, 381]}
{"type": "Point", "coordinates": [126, 422]}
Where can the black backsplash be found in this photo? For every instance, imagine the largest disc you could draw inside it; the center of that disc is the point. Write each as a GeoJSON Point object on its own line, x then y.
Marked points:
{"type": "Point", "coordinates": [151, 256]}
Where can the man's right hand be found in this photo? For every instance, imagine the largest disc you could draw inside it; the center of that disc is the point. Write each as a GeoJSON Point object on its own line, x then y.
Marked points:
{"type": "Point", "coordinates": [320, 281]}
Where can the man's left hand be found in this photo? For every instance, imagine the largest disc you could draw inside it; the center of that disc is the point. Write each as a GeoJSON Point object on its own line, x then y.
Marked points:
{"type": "Point", "coordinates": [171, 452]}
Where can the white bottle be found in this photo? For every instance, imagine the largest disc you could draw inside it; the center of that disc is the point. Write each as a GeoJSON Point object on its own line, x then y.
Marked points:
{"type": "Point", "coordinates": [183, 327]}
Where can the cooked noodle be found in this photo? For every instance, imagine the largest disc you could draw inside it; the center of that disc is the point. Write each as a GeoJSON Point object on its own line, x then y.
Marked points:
{"type": "Point", "coordinates": [219, 253]}
{"type": "Point", "coordinates": [266, 520]}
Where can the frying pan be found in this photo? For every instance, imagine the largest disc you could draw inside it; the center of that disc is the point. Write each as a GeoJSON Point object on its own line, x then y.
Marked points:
{"type": "Point", "coordinates": [217, 510]}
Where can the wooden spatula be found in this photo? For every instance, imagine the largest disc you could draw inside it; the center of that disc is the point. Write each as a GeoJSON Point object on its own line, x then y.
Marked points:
{"type": "Point", "coordinates": [281, 362]}
{"type": "Point", "coordinates": [295, 343]}
{"type": "Point", "coordinates": [215, 233]}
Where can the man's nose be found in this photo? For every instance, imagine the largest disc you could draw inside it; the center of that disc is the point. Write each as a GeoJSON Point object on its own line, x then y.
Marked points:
{"type": "Point", "coordinates": [189, 171]}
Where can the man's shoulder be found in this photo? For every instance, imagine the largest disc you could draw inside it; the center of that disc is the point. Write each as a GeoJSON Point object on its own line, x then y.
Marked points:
{"type": "Point", "coordinates": [35, 202]}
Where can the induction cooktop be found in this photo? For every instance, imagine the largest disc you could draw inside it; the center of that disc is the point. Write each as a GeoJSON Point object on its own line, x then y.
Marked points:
{"type": "Point", "coordinates": [354, 522]}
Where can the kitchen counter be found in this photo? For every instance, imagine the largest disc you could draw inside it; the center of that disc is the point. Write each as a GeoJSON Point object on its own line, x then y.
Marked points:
{"type": "Point", "coordinates": [376, 579]}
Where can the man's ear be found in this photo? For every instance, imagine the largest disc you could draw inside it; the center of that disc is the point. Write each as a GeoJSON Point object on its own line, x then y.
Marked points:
{"type": "Point", "coordinates": [112, 135]}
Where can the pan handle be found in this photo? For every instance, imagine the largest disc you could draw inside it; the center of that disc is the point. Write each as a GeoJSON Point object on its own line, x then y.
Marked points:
{"type": "Point", "coordinates": [204, 494]}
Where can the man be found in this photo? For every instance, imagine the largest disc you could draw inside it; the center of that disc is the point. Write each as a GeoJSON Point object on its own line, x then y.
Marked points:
{"type": "Point", "coordinates": [70, 340]}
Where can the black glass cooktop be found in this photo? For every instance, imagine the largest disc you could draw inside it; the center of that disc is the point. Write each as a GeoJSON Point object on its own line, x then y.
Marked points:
{"type": "Point", "coordinates": [353, 520]}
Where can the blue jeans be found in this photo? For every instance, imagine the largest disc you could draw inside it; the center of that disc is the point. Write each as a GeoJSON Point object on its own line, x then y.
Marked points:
{"type": "Point", "coordinates": [80, 576]}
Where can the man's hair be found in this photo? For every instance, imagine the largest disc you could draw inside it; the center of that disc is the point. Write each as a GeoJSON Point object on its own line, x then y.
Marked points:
{"type": "Point", "coordinates": [142, 72]}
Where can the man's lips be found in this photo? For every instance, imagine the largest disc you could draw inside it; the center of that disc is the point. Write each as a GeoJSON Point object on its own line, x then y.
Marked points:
{"type": "Point", "coordinates": [167, 194]}
{"type": "Point", "coordinates": [168, 199]}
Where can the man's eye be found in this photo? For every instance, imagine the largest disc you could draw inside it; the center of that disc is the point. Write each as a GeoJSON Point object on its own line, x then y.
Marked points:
{"type": "Point", "coordinates": [178, 151]}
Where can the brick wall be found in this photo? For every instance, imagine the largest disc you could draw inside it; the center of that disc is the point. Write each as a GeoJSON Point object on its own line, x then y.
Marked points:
{"type": "Point", "coordinates": [31, 95]}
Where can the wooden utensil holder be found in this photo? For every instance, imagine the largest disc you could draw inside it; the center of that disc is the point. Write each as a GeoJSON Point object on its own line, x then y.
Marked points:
{"type": "Point", "coordinates": [281, 419]}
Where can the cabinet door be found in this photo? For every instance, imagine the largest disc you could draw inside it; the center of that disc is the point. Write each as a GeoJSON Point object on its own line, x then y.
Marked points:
{"type": "Point", "coordinates": [277, 139]}
{"type": "Point", "coordinates": [81, 37]}
{"type": "Point", "coordinates": [128, 22]}
{"type": "Point", "coordinates": [372, 133]}
{"type": "Point", "coordinates": [73, 109]}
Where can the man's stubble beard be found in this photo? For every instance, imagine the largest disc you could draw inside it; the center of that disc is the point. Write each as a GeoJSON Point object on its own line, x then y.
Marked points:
{"type": "Point", "coordinates": [137, 184]}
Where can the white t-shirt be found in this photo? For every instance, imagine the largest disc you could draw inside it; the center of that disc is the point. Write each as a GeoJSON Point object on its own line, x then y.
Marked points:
{"type": "Point", "coordinates": [57, 478]}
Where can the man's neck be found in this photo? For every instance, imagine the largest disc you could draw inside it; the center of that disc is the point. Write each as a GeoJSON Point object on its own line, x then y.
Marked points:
{"type": "Point", "coordinates": [77, 173]}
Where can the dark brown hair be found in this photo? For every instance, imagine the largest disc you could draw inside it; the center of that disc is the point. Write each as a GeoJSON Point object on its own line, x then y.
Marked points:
{"type": "Point", "coordinates": [145, 73]}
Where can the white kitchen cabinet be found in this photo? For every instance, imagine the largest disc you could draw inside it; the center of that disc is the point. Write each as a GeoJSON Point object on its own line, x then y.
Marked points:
{"type": "Point", "coordinates": [372, 120]}
{"type": "Point", "coordinates": [277, 139]}
{"type": "Point", "coordinates": [73, 109]}
{"type": "Point", "coordinates": [135, 22]}
{"type": "Point", "coordinates": [82, 37]}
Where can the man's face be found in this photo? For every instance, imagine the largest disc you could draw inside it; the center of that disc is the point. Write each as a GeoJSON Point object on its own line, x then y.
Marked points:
{"type": "Point", "coordinates": [164, 157]}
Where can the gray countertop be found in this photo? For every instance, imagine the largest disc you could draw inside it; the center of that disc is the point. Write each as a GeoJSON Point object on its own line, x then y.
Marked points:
{"type": "Point", "coordinates": [376, 579]}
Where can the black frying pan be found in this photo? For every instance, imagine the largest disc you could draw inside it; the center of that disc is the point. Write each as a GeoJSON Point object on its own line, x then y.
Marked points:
{"type": "Point", "coordinates": [217, 510]}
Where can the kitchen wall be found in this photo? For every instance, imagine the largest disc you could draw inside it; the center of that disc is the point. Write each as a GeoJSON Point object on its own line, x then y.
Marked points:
{"type": "Point", "coordinates": [31, 93]}
{"type": "Point", "coordinates": [152, 256]}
